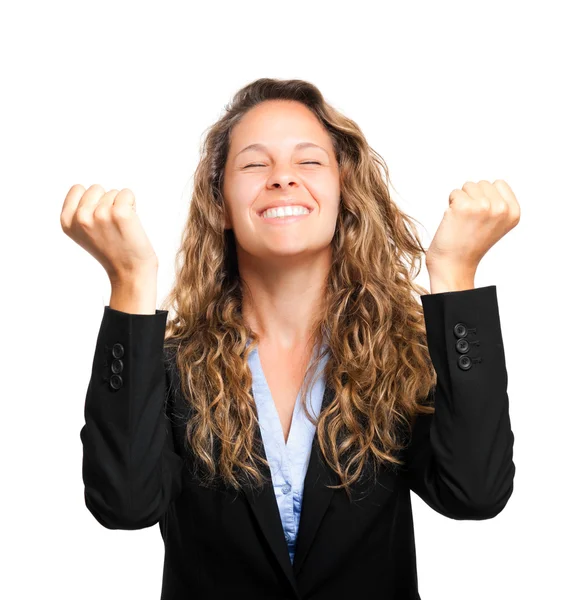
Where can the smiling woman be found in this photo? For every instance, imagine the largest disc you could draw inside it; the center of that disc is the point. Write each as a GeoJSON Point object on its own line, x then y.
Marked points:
{"type": "Point", "coordinates": [275, 425]}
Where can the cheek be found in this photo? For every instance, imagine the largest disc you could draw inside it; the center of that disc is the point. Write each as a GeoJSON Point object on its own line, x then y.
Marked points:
{"type": "Point", "coordinates": [327, 196]}
{"type": "Point", "coordinates": [246, 189]}
{"type": "Point", "coordinates": [242, 195]}
{"type": "Point", "coordinates": [322, 185]}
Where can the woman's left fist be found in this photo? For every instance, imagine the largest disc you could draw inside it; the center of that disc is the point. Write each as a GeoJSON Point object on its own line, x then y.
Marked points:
{"type": "Point", "coordinates": [478, 216]}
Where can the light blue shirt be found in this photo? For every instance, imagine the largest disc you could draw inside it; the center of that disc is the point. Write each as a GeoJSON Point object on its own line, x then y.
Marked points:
{"type": "Point", "coordinates": [288, 461]}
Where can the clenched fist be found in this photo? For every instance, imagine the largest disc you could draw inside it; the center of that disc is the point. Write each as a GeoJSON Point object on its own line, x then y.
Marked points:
{"type": "Point", "coordinates": [479, 215]}
{"type": "Point", "coordinates": [106, 225]}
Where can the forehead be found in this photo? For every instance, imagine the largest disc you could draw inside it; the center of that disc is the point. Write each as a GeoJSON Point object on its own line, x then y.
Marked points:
{"type": "Point", "coordinates": [278, 122]}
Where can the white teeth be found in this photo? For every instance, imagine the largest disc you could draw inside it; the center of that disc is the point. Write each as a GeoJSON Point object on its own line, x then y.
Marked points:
{"type": "Point", "coordinates": [285, 211]}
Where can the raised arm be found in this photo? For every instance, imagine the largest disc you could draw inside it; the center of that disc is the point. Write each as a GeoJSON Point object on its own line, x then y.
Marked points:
{"type": "Point", "coordinates": [130, 469]}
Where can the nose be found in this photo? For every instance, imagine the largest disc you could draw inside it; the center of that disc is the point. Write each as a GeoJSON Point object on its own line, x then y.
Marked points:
{"type": "Point", "coordinates": [282, 176]}
{"type": "Point", "coordinates": [283, 184]}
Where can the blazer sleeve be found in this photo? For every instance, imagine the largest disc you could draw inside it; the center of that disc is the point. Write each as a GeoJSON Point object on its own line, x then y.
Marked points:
{"type": "Point", "coordinates": [130, 469]}
{"type": "Point", "coordinates": [460, 459]}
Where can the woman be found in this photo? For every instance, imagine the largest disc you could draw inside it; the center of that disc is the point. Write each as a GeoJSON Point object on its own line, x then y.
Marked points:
{"type": "Point", "coordinates": [275, 426]}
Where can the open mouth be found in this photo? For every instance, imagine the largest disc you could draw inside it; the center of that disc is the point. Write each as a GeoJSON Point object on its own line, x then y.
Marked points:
{"type": "Point", "coordinates": [286, 219]}
{"type": "Point", "coordinates": [308, 208]}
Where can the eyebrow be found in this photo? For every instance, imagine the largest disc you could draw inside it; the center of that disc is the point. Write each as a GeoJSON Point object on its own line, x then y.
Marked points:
{"type": "Point", "coordinates": [296, 147]}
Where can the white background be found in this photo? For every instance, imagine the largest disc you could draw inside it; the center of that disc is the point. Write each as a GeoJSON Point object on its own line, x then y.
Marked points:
{"type": "Point", "coordinates": [120, 93]}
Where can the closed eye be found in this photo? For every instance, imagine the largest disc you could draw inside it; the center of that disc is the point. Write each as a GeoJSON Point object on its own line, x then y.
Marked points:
{"type": "Point", "coordinates": [309, 162]}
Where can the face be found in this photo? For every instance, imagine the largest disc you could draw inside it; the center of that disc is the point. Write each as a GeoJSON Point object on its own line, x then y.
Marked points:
{"type": "Point", "coordinates": [280, 170]}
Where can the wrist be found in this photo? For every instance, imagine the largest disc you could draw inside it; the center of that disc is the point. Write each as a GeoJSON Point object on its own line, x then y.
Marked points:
{"type": "Point", "coordinates": [134, 298]}
{"type": "Point", "coordinates": [450, 279]}
{"type": "Point", "coordinates": [134, 277]}
{"type": "Point", "coordinates": [135, 292]}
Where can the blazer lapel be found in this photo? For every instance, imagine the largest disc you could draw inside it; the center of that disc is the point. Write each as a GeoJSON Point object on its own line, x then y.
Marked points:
{"type": "Point", "coordinates": [265, 509]}
{"type": "Point", "coordinates": [315, 500]}
{"type": "Point", "coordinates": [316, 495]}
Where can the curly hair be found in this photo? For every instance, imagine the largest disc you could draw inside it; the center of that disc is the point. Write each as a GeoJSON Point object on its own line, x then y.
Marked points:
{"type": "Point", "coordinates": [371, 323]}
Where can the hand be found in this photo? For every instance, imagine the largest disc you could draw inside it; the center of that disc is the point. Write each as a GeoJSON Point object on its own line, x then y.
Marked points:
{"type": "Point", "coordinates": [106, 225]}
{"type": "Point", "coordinates": [478, 216]}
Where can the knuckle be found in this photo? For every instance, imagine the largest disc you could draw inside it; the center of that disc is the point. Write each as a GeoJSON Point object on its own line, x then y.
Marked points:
{"type": "Point", "coordinates": [101, 215]}
{"type": "Point", "coordinates": [118, 213]}
{"type": "Point", "coordinates": [500, 208]}
{"type": "Point", "coordinates": [83, 219]}
{"type": "Point", "coordinates": [484, 205]}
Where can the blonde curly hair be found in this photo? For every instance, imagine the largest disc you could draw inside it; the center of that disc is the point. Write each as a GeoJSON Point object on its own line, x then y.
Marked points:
{"type": "Point", "coordinates": [371, 323]}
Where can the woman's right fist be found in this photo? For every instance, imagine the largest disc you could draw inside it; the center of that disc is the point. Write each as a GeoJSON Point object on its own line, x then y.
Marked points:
{"type": "Point", "coordinates": [106, 225]}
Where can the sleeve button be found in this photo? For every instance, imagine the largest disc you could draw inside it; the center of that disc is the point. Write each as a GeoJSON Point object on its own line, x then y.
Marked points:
{"type": "Point", "coordinates": [464, 362]}
{"type": "Point", "coordinates": [117, 350]}
{"type": "Point", "coordinates": [115, 382]}
{"type": "Point", "coordinates": [460, 330]}
{"type": "Point", "coordinates": [117, 366]}
{"type": "Point", "coordinates": [462, 346]}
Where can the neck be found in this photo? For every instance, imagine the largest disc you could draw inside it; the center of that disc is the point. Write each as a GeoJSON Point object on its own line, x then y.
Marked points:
{"type": "Point", "coordinates": [282, 301]}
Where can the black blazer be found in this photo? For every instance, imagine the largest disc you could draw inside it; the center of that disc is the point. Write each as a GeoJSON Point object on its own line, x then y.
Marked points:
{"type": "Point", "coordinates": [221, 544]}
